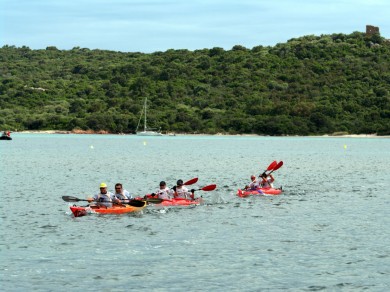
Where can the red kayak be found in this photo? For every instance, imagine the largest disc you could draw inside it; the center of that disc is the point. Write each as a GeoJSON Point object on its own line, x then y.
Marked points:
{"type": "Point", "coordinates": [261, 191]}
{"type": "Point", "coordinates": [180, 202]}
{"type": "Point", "coordinates": [174, 202]}
{"type": "Point", "coordinates": [79, 211]}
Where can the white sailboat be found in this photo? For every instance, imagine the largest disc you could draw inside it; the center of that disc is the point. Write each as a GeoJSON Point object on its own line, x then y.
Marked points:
{"type": "Point", "coordinates": [146, 132]}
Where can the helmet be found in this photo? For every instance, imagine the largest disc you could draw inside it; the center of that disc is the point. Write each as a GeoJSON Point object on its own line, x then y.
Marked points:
{"type": "Point", "coordinates": [103, 185]}
{"type": "Point", "coordinates": [162, 183]}
{"type": "Point", "coordinates": [179, 182]}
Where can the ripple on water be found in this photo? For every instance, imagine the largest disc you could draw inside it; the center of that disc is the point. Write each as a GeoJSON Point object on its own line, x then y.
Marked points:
{"type": "Point", "coordinates": [328, 231]}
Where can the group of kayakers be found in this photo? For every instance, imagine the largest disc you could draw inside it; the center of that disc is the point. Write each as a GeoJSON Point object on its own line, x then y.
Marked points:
{"type": "Point", "coordinates": [180, 191]}
{"type": "Point", "coordinates": [121, 195]}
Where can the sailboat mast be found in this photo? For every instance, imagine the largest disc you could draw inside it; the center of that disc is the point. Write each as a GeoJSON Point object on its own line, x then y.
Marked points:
{"type": "Point", "coordinates": [145, 115]}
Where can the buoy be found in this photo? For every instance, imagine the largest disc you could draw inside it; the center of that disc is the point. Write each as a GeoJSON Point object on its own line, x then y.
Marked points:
{"type": "Point", "coordinates": [345, 146]}
{"type": "Point", "coordinates": [91, 146]}
{"type": "Point", "coordinates": [144, 143]}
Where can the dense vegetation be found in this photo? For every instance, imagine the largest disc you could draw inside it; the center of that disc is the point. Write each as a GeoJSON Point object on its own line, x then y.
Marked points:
{"type": "Point", "coordinates": [309, 85]}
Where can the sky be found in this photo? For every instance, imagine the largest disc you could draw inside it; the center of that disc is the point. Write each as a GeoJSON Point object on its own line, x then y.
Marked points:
{"type": "Point", "coordinates": [158, 25]}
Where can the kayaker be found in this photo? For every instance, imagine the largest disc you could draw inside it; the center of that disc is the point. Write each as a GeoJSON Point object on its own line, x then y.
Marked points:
{"type": "Point", "coordinates": [121, 194]}
{"type": "Point", "coordinates": [181, 191]}
{"type": "Point", "coordinates": [254, 185]}
{"type": "Point", "coordinates": [104, 197]}
{"type": "Point", "coordinates": [267, 181]}
{"type": "Point", "coordinates": [163, 192]}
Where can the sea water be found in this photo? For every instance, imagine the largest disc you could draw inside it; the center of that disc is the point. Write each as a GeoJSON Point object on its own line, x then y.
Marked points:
{"type": "Point", "coordinates": [329, 230]}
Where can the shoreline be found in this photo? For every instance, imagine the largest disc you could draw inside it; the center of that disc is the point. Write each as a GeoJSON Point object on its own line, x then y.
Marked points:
{"type": "Point", "coordinates": [90, 132]}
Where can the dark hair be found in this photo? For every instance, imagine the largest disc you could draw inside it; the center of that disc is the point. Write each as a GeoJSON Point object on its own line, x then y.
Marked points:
{"type": "Point", "coordinates": [162, 183]}
{"type": "Point", "coordinates": [118, 185]}
{"type": "Point", "coordinates": [179, 182]}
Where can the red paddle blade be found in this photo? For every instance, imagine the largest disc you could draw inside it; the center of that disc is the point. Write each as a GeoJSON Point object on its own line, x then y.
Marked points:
{"type": "Point", "coordinates": [209, 188]}
{"type": "Point", "coordinates": [191, 181]}
{"type": "Point", "coordinates": [279, 165]}
{"type": "Point", "coordinates": [272, 165]}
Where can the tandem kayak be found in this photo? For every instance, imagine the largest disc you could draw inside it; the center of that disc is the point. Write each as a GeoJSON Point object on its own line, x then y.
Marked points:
{"type": "Point", "coordinates": [174, 202]}
{"type": "Point", "coordinates": [180, 202]}
{"type": "Point", "coordinates": [79, 211]}
{"type": "Point", "coordinates": [261, 191]}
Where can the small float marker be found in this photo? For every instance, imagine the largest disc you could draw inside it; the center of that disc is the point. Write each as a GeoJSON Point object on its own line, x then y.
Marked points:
{"type": "Point", "coordinates": [144, 143]}
{"type": "Point", "coordinates": [345, 146]}
{"type": "Point", "coordinates": [91, 146]}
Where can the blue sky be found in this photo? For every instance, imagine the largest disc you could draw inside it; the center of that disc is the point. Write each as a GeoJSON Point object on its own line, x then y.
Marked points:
{"type": "Point", "coordinates": [158, 25]}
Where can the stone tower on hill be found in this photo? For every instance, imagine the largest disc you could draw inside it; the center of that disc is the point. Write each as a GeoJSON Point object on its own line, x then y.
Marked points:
{"type": "Point", "coordinates": [370, 30]}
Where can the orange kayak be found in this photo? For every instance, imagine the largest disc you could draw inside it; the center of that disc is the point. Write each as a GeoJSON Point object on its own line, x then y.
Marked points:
{"type": "Point", "coordinates": [79, 211]}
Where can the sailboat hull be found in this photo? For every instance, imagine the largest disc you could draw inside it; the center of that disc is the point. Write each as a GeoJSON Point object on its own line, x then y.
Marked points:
{"type": "Point", "coordinates": [149, 133]}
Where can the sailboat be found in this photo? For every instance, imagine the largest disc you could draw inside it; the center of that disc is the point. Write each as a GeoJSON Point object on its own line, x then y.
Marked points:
{"type": "Point", "coordinates": [146, 132]}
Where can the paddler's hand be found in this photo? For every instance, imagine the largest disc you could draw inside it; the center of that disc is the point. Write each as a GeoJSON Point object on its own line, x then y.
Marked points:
{"type": "Point", "coordinates": [90, 200]}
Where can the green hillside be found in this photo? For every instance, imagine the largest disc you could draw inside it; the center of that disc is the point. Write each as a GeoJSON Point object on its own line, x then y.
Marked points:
{"type": "Point", "coordinates": [308, 86]}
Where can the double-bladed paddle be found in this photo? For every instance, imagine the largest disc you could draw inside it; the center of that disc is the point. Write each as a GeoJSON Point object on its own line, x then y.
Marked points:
{"type": "Point", "coordinates": [191, 181]}
{"type": "Point", "coordinates": [277, 166]}
{"type": "Point", "coordinates": [208, 188]}
{"type": "Point", "coordinates": [134, 203]}
{"type": "Point", "coordinates": [270, 167]}
{"type": "Point", "coordinates": [205, 188]}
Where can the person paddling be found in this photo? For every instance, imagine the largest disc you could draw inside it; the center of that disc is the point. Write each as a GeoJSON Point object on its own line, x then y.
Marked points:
{"type": "Point", "coordinates": [163, 192]}
{"type": "Point", "coordinates": [267, 181]}
{"type": "Point", "coordinates": [181, 191]}
{"type": "Point", "coordinates": [104, 197]}
{"type": "Point", "coordinates": [254, 184]}
{"type": "Point", "coordinates": [121, 194]}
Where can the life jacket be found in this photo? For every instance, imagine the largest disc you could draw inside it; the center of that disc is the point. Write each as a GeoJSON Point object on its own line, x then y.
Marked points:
{"type": "Point", "coordinates": [105, 197]}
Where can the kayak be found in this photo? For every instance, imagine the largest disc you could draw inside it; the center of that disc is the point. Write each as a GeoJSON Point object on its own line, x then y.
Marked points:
{"type": "Point", "coordinates": [180, 202]}
{"type": "Point", "coordinates": [261, 191]}
{"type": "Point", "coordinates": [175, 202]}
{"type": "Point", "coordinates": [79, 211]}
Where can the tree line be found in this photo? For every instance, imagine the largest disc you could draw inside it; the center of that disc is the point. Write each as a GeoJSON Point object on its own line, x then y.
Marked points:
{"type": "Point", "coordinates": [311, 85]}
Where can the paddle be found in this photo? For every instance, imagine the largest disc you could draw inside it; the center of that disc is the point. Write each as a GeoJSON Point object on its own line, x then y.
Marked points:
{"type": "Point", "coordinates": [191, 181]}
{"type": "Point", "coordinates": [134, 203]}
{"type": "Point", "coordinates": [187, 183]}
{"type": "Point", "coordinates": [279, 165]}
{"type": "Point", "coordinates": [207, 188]}
{"type": "Point", "coordinates": [270, 167]}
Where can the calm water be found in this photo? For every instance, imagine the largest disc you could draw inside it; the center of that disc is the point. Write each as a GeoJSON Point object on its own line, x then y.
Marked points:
{"type": "Point", "coordinates": [330, 229]}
